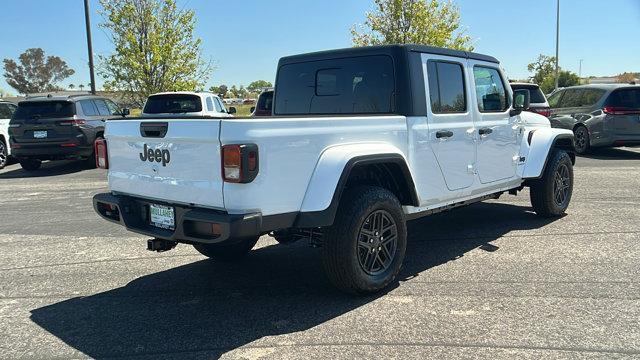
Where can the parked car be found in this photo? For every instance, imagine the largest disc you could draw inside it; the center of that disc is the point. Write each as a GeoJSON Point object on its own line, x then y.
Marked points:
{"type": "Point", "coordinates": [602, 115]}
{"type": "Point", "coordinates": [59, 127]}
{"type": "Point", "coordinates": [185, 103]}
{"type": "Point", "coordinates": [264, 104]}
{"type": "Point", "coordinates": [6, 111]}
{"type": "Point", "coordinates": [539, 102]}
{"type": "Point", "coordinates": [361, 141]}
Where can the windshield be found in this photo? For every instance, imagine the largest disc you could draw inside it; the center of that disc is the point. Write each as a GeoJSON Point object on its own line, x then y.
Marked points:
{"type": "Point", "coordinates": [172, 103]}
{"type": "Point", "coordinates": [44, 109]}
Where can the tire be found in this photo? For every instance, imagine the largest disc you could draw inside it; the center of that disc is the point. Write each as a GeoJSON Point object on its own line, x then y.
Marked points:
{"type": "Point", "coordinates": [4, 157]}
{"type": "Point", "coordinates": [582, 139]}
{"type": "Point", "coordinates": [31, 164]}
{"type": "Point", "coordinates": [551, 194]}
{"type": "Point", "coordinates": [227, 251]}
{"type": "Point", "coordinates": [355, 235]}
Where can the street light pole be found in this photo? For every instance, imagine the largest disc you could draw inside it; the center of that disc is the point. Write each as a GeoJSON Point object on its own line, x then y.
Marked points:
{"type": "Point", "coordinates": [89, 46]}
{"type": "Point", "coordinates": [557, 39]}
{"type": "Point", "coordinates": [580, 70]}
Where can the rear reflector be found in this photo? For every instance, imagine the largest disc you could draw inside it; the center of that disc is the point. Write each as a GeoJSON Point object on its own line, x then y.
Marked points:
{"type": "Point", "coordinates": [239, 163]}
{"type": "Point", "coordinates": [542, 111]}
{"type": "Point", "coordinates": [102, 158]}
{"type": "Point", "coordinates": [618, 110]}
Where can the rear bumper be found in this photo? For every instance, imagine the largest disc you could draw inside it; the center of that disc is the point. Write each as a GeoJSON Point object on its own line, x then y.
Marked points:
{"type": "Point", "coordinates": [49, 151]}
{"type": "Point", "coordinates": [192, 225]}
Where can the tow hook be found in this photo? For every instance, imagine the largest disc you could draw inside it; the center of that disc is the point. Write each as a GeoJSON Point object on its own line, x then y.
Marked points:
{"type": "Point", "coordinates": [160, 245]}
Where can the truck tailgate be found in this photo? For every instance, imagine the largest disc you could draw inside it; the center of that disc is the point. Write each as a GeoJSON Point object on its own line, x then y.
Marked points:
{"type": "Point", "coordinates": [183, 166]}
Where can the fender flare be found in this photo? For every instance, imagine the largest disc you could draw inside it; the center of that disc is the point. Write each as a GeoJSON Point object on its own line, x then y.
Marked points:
{"type": "Point", "coordinates": [332, 172]}
{"type": "Point", "coordinates": [540, 149]}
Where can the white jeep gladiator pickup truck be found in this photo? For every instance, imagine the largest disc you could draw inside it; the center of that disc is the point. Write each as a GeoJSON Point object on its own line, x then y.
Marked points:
{"type": "Point", "coordinates": [361, 141]}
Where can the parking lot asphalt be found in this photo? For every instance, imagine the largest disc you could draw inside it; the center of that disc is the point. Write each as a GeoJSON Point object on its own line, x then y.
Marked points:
{"type": "Point", "coordinates": [490, 281]}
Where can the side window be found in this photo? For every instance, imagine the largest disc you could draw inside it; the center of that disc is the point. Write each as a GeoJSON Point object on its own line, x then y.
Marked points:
{"type": "Point", "coordinates": [209, 104]}
{"type": "Point", "coordinates": [114, 109]}
{"type": "Point", "coordinates": [88, 108]}
{"type": "Point", "coordinates": [446, 87]}
{"type": "Point", "coordinates": [220, 106]}
{"type": "Point", "coordinates": [591, 96]}
{"type": "Point", "coordinates": [490, 90]}
{"type": "Point", "coordinates": [103, 109]}
{"type": "Point", "coordinates": [554, 99]}
{"type": "Point", "coordinates": [5, 112]}
{"type": "Point", "coordinates": [12, 108]}
{"type": "Point", "coordinates": [571, 98]}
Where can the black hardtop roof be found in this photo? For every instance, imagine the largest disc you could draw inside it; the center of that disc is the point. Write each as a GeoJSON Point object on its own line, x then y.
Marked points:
{"type": "Point", "coordinates": [391, 50]}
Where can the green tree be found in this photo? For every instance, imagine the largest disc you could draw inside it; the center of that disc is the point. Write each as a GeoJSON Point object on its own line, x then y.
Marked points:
{"type": "Point", "coordinates": [81, 86]}
{"type": "Point", "coordinates": [257, 85]}
{"type": "Point", "coordinates": [565, 78]}
{"type": "Point", "coordinates": [233, 91]}
{"type": "Point", "coordinates": [156, 49]}
{"type": "Point", "coordinates": [542, 68]}
{"type": "Point", "coordinates": [35, 73]}
{"type": "Point", "coordinates": [71, 86]}
{"type": "Point", "coordinates": [428, 22]}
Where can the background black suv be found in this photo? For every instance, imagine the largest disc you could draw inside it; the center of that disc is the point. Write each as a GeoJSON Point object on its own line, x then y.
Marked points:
{"type": "Point", "coordinates": [59, 127]}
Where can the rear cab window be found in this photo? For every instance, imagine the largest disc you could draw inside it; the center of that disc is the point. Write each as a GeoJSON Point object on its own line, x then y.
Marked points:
{"type": "Point", "coordinates": [44, 109]}
{"type": "Point", "coordinates": [265, 101]}
{"type": "Point", "coordinates": [356, 85]}
{"type": "Point", "coordinates": [172, 103]}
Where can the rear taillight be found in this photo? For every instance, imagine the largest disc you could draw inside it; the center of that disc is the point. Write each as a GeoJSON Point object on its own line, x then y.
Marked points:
{"type": "Point", "coordinates": [239, 163]}
{"type": "Point", "coordinates": [543, 111]}
{"type": "Point", "coordinates": [102, 159]}
{"type": "Point", "coordinates": [619, 110]}
{"type": "Point", "coordinates": [76, 122]}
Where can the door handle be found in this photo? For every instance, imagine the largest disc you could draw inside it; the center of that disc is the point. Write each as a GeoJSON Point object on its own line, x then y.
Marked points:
{"type": "Point", "coordinates": [485, 131]}
{"type": "Point", "coordinates": [444, 134]}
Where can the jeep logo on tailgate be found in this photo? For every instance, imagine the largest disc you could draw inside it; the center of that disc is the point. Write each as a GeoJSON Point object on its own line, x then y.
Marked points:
{"type": "Point", "coordinates": [157, 155]}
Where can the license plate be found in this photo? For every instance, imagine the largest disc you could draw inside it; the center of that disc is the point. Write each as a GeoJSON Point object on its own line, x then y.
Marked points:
{"type": "Point", "coordinates": [40, 134]}
{"type": "Point", "coordinates": [162, 216]}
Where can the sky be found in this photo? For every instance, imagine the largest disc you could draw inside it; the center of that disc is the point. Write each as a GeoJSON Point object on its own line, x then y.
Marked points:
{"type": "Point", "coordinates": [246, 39]}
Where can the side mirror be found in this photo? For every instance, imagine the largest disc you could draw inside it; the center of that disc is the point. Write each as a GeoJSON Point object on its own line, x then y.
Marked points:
{"type": "Point", "coordinates": [125, 112]}
{"type": "Point", "coordinates": [521, 100]}
{"type": "Point", "coordinates": [253, 108]}
{"type": "Point", "coordinates": [232, 110]}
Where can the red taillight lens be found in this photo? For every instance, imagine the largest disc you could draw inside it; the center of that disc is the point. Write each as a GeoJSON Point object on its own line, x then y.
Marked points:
{"type": "Point", "coordinates": [102, 159]}
{"type": "Point", "coordinates": [239, 163]}
{"type": "Point", "coordinates": [543, 111]}
{"type": "Point", "coordinates": [619, 110]}
{"type": "Point", "coordinates": [76, 122]}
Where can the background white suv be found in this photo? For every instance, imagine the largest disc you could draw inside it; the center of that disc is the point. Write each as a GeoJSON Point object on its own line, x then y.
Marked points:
{"type": "Point", "coordinates": [185, 103]}
{"type": "Point", "coordinates": [6, 110]}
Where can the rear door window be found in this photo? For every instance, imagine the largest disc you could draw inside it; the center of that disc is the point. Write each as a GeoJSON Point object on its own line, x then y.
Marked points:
{"type": "Point", "coordinates": [172, 103]}
{"type": "Point", "coordinates": [358, 85]}
{"type": "Point", "coordinates": [490, 90]}
{"type": "Point", "coordinates": [625, 98]}
{"type": "Point", "coordinates": [45, 109]}
{"type": "Point", "coordinates": [571, 98]}
{"type": "Point", "coordinates": [591, 96]}
{"type": "Point", "coordinates": [446, 87]}
{"type": "Point", "coordinates": [88, 108]}
{"type": "Point", "coordinates": [103, 109]}
{"type": "Point", "coordinates": [209, 104]}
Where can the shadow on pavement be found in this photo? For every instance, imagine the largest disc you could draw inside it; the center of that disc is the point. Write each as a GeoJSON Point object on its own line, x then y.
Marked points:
{"type": "Point", "coordinates": [49, 168]}
{"type": "Point", "coordinates": [205, 309]}
{"type": "Point", "coordinates": [612, 154]}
